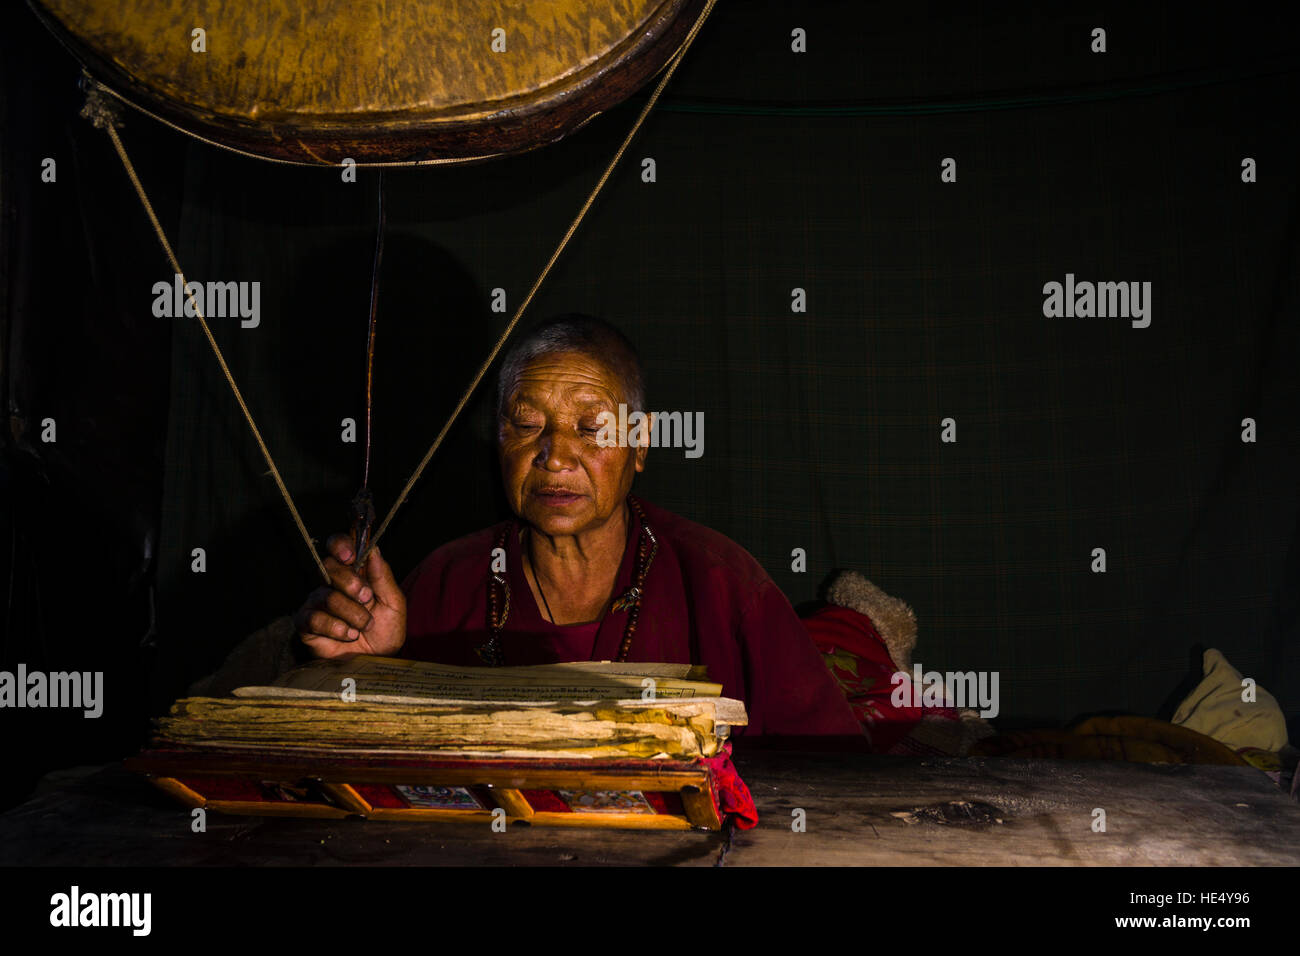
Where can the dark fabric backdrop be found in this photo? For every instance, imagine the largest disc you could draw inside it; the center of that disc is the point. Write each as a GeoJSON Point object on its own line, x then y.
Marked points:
{"type": "Point", "coordinates": [822, 429]}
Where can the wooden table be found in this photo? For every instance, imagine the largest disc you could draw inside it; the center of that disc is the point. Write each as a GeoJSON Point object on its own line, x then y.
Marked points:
{"type": "Point", "coordinates": [1155, 815]}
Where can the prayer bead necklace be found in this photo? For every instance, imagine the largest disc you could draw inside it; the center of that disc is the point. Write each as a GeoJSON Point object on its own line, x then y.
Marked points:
{"type": "Point", "coordinates": [498, 593]}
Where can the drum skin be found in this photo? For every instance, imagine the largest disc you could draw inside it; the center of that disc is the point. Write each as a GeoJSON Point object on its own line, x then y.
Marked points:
{"type": "Point", "coordinates": [320, 81]}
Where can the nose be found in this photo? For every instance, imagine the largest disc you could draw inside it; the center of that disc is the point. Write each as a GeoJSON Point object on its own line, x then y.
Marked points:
{"type": "Point", "coordinates": [558, 450]}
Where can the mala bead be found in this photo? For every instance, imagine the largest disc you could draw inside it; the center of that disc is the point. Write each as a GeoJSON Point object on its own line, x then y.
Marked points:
{"type": "Point", "coordinates": [498, 594]}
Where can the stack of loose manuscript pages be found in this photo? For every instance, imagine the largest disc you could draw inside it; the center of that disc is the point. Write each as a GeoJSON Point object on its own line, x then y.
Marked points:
{"type": "Point", "coordinates": [580, 744]}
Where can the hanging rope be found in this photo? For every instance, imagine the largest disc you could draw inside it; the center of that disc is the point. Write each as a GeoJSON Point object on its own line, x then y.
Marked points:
{"type": "Point", "coordinates": [573, 227]}
{"type": "Point", "coordinates": [102, 115]}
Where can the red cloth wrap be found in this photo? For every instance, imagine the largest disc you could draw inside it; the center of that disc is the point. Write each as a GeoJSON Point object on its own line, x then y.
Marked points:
{"type": "Point", "coordinates": [856, 654]}
{"type": "Point", "coordinates": [730, 795]}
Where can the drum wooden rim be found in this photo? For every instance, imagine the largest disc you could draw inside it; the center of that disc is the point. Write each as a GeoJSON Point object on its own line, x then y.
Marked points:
{"type": "Point", "coordinates": [422, 121]}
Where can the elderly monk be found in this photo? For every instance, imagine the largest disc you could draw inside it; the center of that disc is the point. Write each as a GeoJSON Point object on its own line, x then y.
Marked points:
{"type": "Point", "coordinates": [585, 571]}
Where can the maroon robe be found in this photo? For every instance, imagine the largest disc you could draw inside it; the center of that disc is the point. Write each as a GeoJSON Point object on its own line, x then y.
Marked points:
{"type": "Point", "coordinates": [707, 601]}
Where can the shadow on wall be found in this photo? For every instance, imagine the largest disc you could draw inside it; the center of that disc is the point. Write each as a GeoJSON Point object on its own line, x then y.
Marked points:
{"type": "Point", "coordinates": [432, 331]}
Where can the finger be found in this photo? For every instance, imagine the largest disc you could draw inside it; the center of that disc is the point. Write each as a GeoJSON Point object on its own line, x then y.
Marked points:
{"type": "Point", "coordinates": [315, 601]}
{"type": "Point", "coordinates": [345, 579]}
{"type": "Point", "coordinates": [340, 546]}
{"type": "Point", "coordinates": [345, 609]}
{"type": "Point", "coordinates": [382, 580]}
{"type": "Point", "coordinates": [327, 647]}
{"type": "Point", "coordinates": [333, 601]}
{"type": "Point", "coordinates": [329, 625]}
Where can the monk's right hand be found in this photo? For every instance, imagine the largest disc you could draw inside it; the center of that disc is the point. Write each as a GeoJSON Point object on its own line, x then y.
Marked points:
{"type": "Point", "coordinates": [353, 616]}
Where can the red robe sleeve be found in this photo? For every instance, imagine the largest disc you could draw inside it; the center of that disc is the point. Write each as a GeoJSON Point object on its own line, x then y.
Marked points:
{"type": "Point", "coordinates": [792, 694]}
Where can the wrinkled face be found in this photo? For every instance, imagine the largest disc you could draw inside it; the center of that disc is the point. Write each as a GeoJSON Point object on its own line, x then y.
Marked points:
{"type": "Point", "coordinates": [557, 477]}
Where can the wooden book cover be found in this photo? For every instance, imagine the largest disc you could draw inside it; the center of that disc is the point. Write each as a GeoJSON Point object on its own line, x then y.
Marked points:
{"type": "Point", "coordinates": [582, 744]}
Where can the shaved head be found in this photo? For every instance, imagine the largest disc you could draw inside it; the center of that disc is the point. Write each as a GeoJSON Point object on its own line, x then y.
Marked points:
{"type": "Point", "coordinates": [581, 334]}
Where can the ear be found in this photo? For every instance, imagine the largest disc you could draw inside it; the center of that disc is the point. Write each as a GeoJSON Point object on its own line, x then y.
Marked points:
{"type": "Point", "coordinates": [643, 450]}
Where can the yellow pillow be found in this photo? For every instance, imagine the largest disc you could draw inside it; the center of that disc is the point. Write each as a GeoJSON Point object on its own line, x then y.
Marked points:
{"type": "Point", "coordinates": [1215, 708]}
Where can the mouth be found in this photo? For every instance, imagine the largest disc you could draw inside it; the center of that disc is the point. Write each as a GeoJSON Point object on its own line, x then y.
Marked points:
{"type": "Point", "coordinates": [557, 497]}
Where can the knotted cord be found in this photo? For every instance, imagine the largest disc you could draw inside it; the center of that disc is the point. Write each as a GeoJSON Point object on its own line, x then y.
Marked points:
{"type": "Point", "coordinates": [363, 506]}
